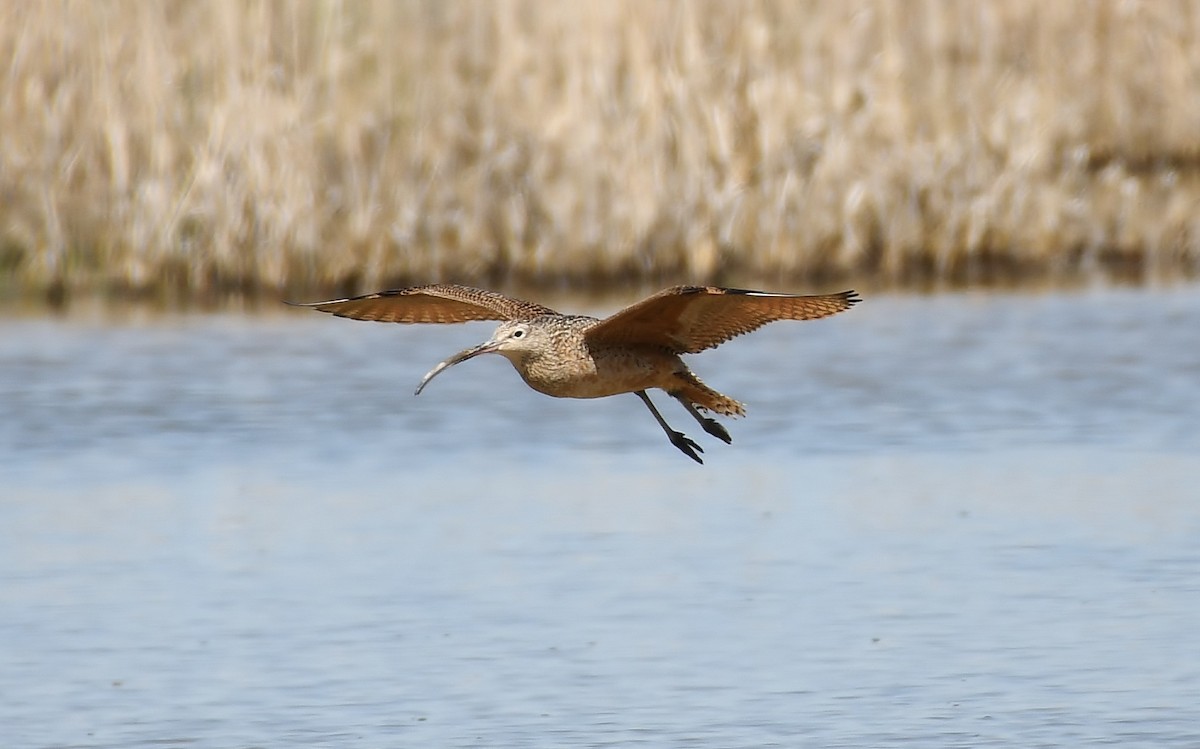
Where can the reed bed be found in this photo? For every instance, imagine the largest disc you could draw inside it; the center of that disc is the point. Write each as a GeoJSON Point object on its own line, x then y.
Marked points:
{"type": "Point", "coordinates": [261, 146]}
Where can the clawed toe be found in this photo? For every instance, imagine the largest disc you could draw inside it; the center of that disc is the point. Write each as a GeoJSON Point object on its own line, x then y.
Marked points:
{"type": "Point", "coordinates": [687, 446]}
{"type": "Point", "coordinates": [714, 427]}
{"type": "Point", "coordinates": [678, 439]}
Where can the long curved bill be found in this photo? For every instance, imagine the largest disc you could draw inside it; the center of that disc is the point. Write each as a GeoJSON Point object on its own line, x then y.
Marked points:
{"type": "Point", "coordinates": [484, 348]}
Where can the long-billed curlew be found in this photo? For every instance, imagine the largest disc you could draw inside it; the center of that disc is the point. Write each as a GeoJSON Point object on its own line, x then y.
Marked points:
{"type": "Point", "coordinates": [577, 356]}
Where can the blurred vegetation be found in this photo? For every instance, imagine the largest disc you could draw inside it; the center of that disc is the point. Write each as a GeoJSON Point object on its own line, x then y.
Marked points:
{"type": "Point", "coordinates": [260, 146]}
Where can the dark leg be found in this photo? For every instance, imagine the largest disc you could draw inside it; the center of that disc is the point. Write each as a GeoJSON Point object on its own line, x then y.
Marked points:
{"type": "Point", "coordinates": [678, 439]}
{"type": "Point", "coordinates": [712, 426]}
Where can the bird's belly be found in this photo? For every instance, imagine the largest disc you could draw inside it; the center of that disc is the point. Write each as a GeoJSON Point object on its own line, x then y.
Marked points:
{"type": "Point", "coordinates": [589, 387]}
{"type": "Point", "coordinates": [603, 375]}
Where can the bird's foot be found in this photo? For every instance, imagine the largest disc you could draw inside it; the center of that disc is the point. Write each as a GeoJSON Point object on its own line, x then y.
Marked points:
{"type": "Point", "coordinates": [714, 427]}
{"type": "Point", "coordinates": [689, 448]}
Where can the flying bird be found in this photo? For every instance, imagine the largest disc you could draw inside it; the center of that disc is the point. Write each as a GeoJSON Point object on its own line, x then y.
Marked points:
{"type": "Point", "coordinates": [578, 356]}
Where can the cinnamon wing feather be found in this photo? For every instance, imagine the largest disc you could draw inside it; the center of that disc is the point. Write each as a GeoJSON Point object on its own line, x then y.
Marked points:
{"type": "Point", "coordinates": [690, 319]}
{"type": "Point", "coordinates": [435, 303]}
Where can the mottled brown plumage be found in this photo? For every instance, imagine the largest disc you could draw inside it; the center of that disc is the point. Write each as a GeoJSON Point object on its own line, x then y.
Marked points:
{"type": "Point", "coordinates": [576, 356]}
{"type": "Point", "coordinates": [435, 303]}
{"type": "Point", "coordinates": [691, 319]}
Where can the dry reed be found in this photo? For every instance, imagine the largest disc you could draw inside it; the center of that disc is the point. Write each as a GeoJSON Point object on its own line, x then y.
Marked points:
{"type": "Point", "coordinates": [265, 145]}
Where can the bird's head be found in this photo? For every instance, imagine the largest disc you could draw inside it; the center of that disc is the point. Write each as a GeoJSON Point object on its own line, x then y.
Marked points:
{"type": "Point", "coordinates": [515, 340]}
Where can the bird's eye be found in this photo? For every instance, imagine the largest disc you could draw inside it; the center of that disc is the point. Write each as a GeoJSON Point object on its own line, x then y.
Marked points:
{"type": "Point", "coordinates": [518, 334]}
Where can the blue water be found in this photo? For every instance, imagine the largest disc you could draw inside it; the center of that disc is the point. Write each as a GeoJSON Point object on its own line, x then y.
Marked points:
{"type": "Point", "coordinates": [958, 520]}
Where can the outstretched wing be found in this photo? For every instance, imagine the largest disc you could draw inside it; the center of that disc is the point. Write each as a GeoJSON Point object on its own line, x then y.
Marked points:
{"type": "Point", "coordinates": [435, 303]}
{"type": "Point", "coordinates": [690, 319]}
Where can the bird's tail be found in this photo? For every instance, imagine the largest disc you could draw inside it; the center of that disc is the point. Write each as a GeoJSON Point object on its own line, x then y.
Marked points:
{"type": "Point", "coordinates": [704, 397]}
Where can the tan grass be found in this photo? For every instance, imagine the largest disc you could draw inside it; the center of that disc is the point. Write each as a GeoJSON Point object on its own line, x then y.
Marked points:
{"type": "Point", "coordinates": [263, 145]}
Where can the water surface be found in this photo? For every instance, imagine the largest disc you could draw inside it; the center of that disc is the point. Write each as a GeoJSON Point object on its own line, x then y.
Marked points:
{"type": "Point", "coordinates": [960, 520]}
